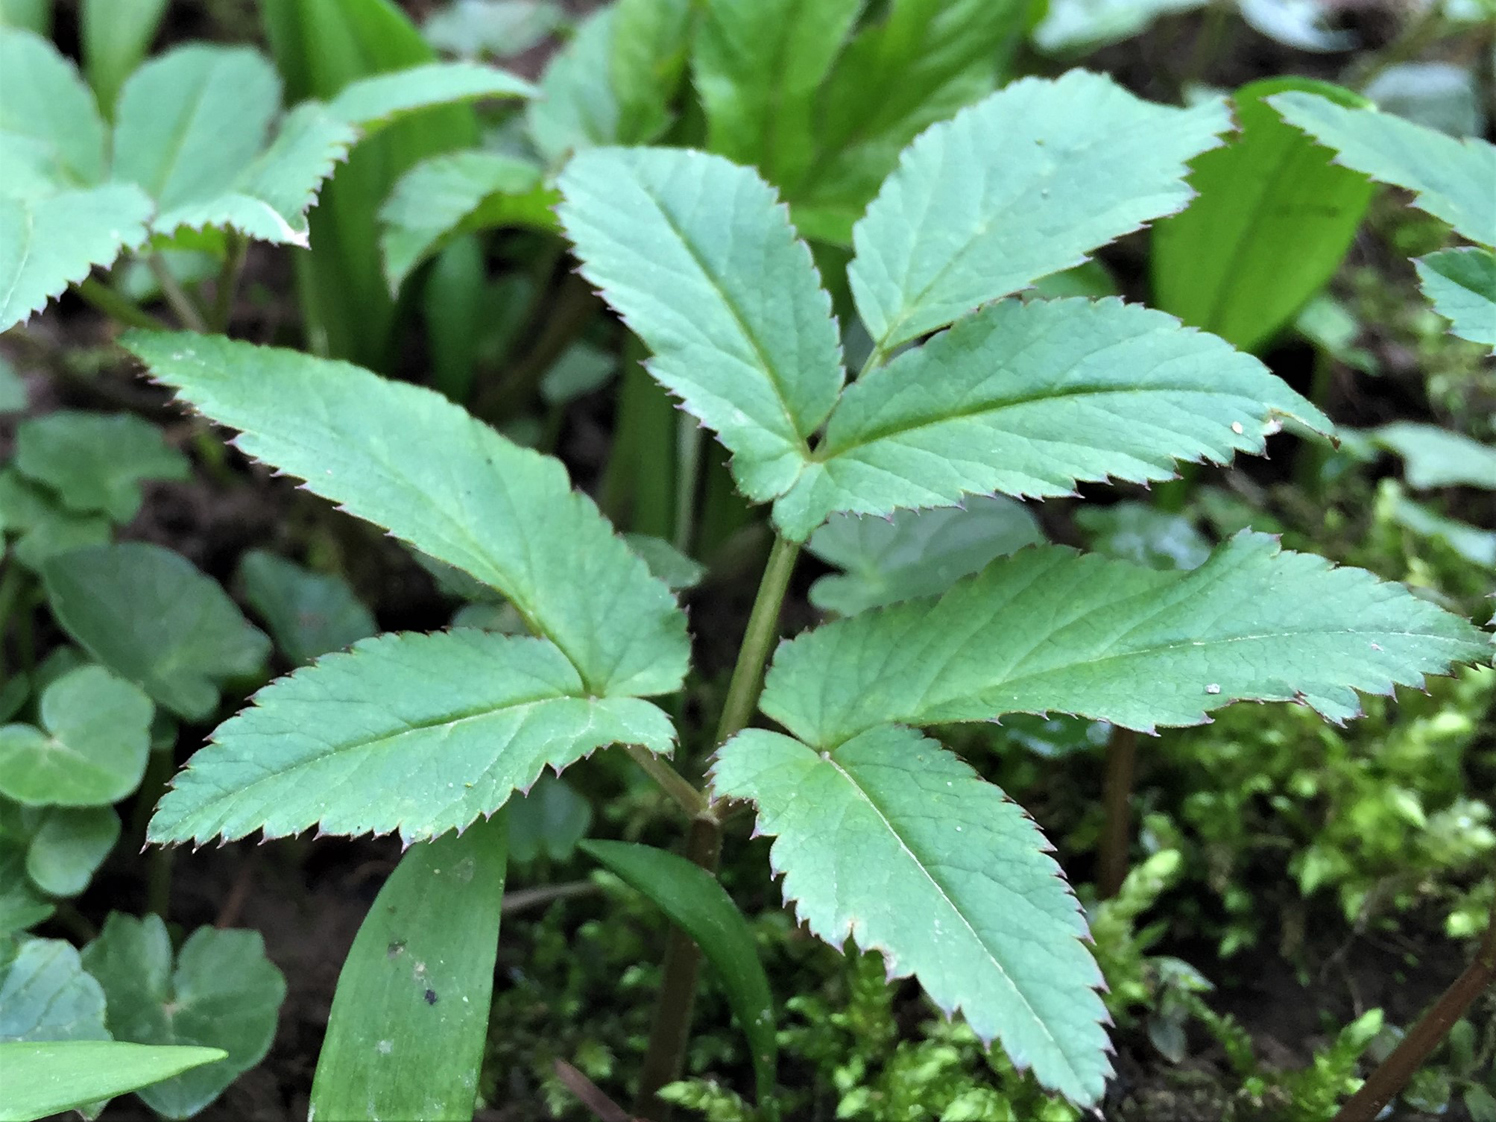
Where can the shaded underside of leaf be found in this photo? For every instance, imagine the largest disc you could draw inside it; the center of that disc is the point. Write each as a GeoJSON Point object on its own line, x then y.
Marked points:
{"type": "Point", "coordinates": [1018, 186]}
{"type": "Point", "coordinates": [407, 459]}
{"type": "Point", "coordinates": [1462, 285]}
{"type": "Point", "coordinates": [700, 259]}
{"type": "Point", "coordinates": [406, 732]}
{"type": "Point", "coordinates": [1049, 630]}
{"type": "Point", "coordinates": [895, 842]}
{"type": "Point", "coordinates": [1029, 398]}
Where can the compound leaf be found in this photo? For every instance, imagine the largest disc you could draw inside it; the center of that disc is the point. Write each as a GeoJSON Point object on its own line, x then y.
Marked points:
{"type": "Point", "coordinates": [1028, 398]}
{"type": "Point", "coordinates": [221, 992]}
{"type": "Point", "coordinates": [308, 613]}
{"type": "Point", "coordinates": [96, 461]}
{"type": "Point", "coordinates": [45, 994]}
{"type": "Point", "coordinates": [405, 1038]}
{"type": "Point", "coordinates": [408, 732]}
{"type": "Point", "coordinates": [152, 617]}
{"type": "Point", "coordinates": [1049, 630]}
{"type": "Point", "coordinates": [1436, 457]}
{"type": "Point", "coordinates": [1462, 285]}
{"type": "Point", "coordinates": [48, 103]}
{"type": "Point", "coordinates": [1014, 188]}
{"type": "Point", "coordinates": [895, 842]}
{"type": "Point", "coordinates": [701, 261]}
{"type": "Point", "coordinates": [1450, 178]}
{"type": "Point", "coordinates": [407, 459]}
{"type": "Point", "coordinates": [51, 241]}
{"type": "Point", "coordinates": [53, 1076]}
{"type": "Point", "coordinates": [91, 749]}
{"type": "Point", "coordinates": [373, 102]}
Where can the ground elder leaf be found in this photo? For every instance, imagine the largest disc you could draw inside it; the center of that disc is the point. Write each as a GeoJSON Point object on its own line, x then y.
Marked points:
{"type": "Point", "coordinates": [1438, 457]}
{"type": "Point", "coordinates": [1050, 630]}
{"type": "Point", "coordinates": [895, 842]}
{"type": "Point", "coordinates": [1462, 285]}
{"type": "Point", "coordinates": [47, 102]}
{"type": "Point", "coordinates": [700, 259]}
{"type": "Point", "coordinates": [1020, 185]}
{"type": "Point", "coordinates": [407, 732]}
{"type": "Point", "coordinates": [373, 102]}
{"type": "Point", "coordinates": [407, 459]}
{"type": "Point", "coordinates": [1029, 398]}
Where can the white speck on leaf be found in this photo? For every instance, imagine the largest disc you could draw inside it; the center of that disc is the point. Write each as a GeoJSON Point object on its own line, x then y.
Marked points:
{"type": "Point", "coordinates": [384, 1047]}
{"type": "Point", "coordinates": [1236, 428]}
{"type": "Point", "coordinates": [1213, 688]}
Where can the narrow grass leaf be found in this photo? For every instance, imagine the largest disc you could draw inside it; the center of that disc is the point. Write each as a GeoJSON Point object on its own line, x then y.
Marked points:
{"type": "Point", "coordinates": [55, 1076]}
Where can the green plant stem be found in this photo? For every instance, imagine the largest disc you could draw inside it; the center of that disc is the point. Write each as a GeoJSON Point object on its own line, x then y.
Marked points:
{"type": "Point", "coordinates": [692, 801]}
{"type": "Point", "coordinates": [228, 282]}
{"type": "Point", "coordinates": [1393, 1073]}
{"type": "Point", "coordinates": [763, 629]}
{"type": "Point", "coordinates": [115, 306]}
{"type": "Point", "coordinates": [176, 296]}
{"type": "Point", "coordinates": [153, 784]}
{"type": "Point", "coordinates": [1116, 831]}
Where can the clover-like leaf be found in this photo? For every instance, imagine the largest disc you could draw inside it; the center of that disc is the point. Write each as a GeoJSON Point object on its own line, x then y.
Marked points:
{"type": "Point", "coordinates": [48, 104]}
{"type": "Point", "coordinates": [914, 552]}
{"type": "Point", "coordinates": [1049, 630]}
{"type": "Point", "coordinates": [409, 460]}
{"type": "Point", "coordinates": [896, 843]}
{"type": "Point", "coordinates": [22, 904]}
{"type": "Point", "coordinates": [91, 749]}
{"type": "Point", "coordinates": [96, 461]}
{"type": "Point", "coordinates": [45, 994]}
{"type": "Point", "coordinates": [1451, 179]}
{"type": "Point", "coordinates": [68, 847]}
{"type": "Point", "coordinates": [1028, 398]}
{"type": "Point", "coordinates": [220, 992]}
{"type": "Point", "coordinates": [1023, 184]}
{"type": "Point", "coordinates": [54, 1076]}
{"type": "Point", "coordinates": [152, 617]}
{"type": "Point", "coordinates": [41, 525]}
{"type": "Point", "coordinates": [701, 261]}
{"type": "Point", "coordinates": [427, 733]}
{"type": "Point", "coordinates": [308, 613]}
{"type": "Point", "coordinates": [1436, 457]}
{"type": "Point", "coordinates": [1462, 285]}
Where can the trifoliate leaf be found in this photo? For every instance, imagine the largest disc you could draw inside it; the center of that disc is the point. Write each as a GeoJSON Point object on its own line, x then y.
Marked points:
{"type": "Point", "coordinates": [896, 843]}
{"type": "Point", "coordinates": [1028, 398]}
{"type": "Point", "coordinates": [408, 732]}
{"type": "Point", "coordinates": [50, 242]}
{"type": "Point", "coordinates": [915, 552]}
{"type": "Point", "coordinates": [1436, 457]}
{"type": "Point", "coordinates": [47, 103]}
{"type": "Point", "coordinates": [1018, 186]}
{"type": "Point", "coordinates": [41, 525]}
{"type": "Point", "coordinates": [1220, 265]}
{"type": "Point", "coordinates": [1462, 285]}
{"type": "Point", "coordinates": [456, 193]}
{"type": "Point", "coordinates": [68, 847]}
{"type": "Point", "coordinates": [150, 616]}
{"type": "Point", "coordinates": [702, 263]}
{"type": "Point", "coordinates": [221, 992]}
{"type": "Point", "coordinates": [550, 819]}
{"type": "Point", "coordinates": [45, 994]}
{"type": "Point", "coordinates": [96, 461]}
{"type": "Point", "coordinates": [373, 102]}
{"type": "Point", "coordinates": [1050, 630]}
{"type": "Point", "coordinates": [54, 1076]}
{"type": "Point", "coordinates": [307, 613]}
{"type": "Point", "coordinates": [407, 459]}
{"type": "Point", "coordinates": [91, 749]}
{"type": "Point", "coordinates": [1450, 178]}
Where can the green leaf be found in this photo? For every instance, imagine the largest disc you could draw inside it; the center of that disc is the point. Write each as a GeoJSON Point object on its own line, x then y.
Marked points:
{"type": "Point", "coordinates": [1049, 630]}
{"type": "Point", "coordinates": [45, 994]}
{"type": "Point", "coordinates": [1144, 535]}
{"type": "Point", "coordinates": [190, 121]}
{"type": "Point", "coordinates": [650, 43]}
{"type": "Point", "coordinates": [150, 616]}
{"type": "Point", "coordinates": [915, 552]}
{"type": "Point", "coordinates": [1020, 185]}
{"type": "Point", "coordinates": [1474, 544]}
{"type": "Point", "coordinates": [459, 492]}
{"type": "Point", "coordinates": [373, 102]}
{"type": "Point", "coordinates": [406, 1035]}
{"type": "Point", "coordinates": [1462, 285]}
{"type": "Point", "coordinates": [96, 461]}
{"type": "Point", "coordinates": [1450, 178]}
{"type": "Point", "coordinates": [13, 397]}
{"type": "Point", "coordinates": [393, 753]}
{"type": "Point", "coordinates": [21, 904]}
{"type": "Point", "coordinates": [1436, 457]}
{"type": "Point", "coordinates": [69, 846]}
{"type": "Point", "coordinates": [66, 1075]}
{"type": "Point", "coordinates": [41, 524]}
{"type": "Point", "coordinates": [33, 15]}
{"type": "Point", "coordinates": [49, 243]}
{"type": "Point", "coordinates": [550, 819]}
{"type": "Point", "coordinates": [221, 992]}
{"type": "Point", "coordinates": [48, 104]}
{"type": "Point", "coordinates": [1221, 264]}
{"type": "Point", "coordinates": [448, 195]}
{"type": "Point", "coordinates": [757, 65]}
{"type": "Point", "coordinates": [93, 750]}
{"type": "Point", "coordinates": [666, 562]}
{"type": "Point", "coordinates": [896, 843]}
{"type": "Point", "coordinates": [1029, 398]}
{"type": "Point", "coordinates": [116, 34]}
{"type": "Point", "coordinates": [307, 613]}
{"type": "Point", "coordinates": [703, 265]}
{"type": "Point", "coordinates": [1077, 26]}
